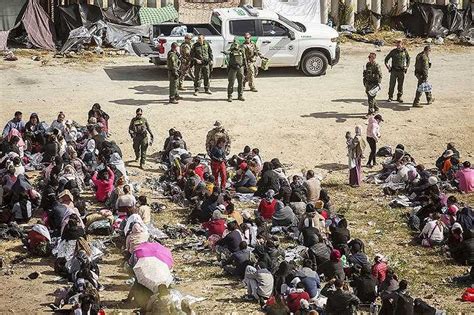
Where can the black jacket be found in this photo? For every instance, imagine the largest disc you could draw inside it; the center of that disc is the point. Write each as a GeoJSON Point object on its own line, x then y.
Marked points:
{"type": "Point", "coordinates": [341, 302]}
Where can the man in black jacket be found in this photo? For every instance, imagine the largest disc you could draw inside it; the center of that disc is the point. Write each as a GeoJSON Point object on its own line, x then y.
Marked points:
{"type": "Point", "coordinates": [341, 302]}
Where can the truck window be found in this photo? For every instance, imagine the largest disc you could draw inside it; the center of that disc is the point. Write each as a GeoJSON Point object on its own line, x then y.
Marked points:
{"type": "Point", "coordinates": [216, 22]}
{"type": "Point", "coordinates": [290, 23]}
{"type": "Point", "coordinates": [272, 28]}
{"type": "Point", "coordinates": [240, 27]}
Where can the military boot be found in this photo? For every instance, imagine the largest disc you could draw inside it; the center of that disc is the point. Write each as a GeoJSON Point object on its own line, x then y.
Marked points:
{"type": "Point", "coordinates": [207, 91]}
{"type": "Point", "coordinates": [229, 98]}
{"type": "Point", "coordinates": [173, 101]}
{"type": "Point", "coordinates": [195, 92]}
{"type": "Point", "coordinates": [241, 98]}
{"type": "Point", "coordinates": [253, 89]}
{"type": "Point", "coordinates": [178, 98]}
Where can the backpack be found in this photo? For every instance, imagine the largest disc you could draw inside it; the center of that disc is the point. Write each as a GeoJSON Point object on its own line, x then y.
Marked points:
{"type": "Point", "coordinates": [404, 305]}
{"type": "Point", "coordinates": [422, 308]}
{"type": "Point", "coordinates": [385, 151]}
{"type": "Point", "coordinates": [101, 227]}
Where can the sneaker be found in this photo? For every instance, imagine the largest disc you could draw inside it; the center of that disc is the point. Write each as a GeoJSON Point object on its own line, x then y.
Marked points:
{"type": "Point", "coordinates": [430, 101]}
{"type": "Point", "coordinates": [178, 98]}
{"type": "Point", "coordinates": [241, 98]}
{"type": "Point", "coordinates": [253, 89]}
{"type": "Point", "coordinates": [195, 93]}
{"type": "Point", "coordinates": [249, 298]}
{"type": "Point", "coordinates": [173, 101]}
{"type": "Point", "coordinates": [389, 99]}
{"type": "Point", "coordinates": [399, 100]}
{"type": "Point", "coordinates": [208, 92]}
{"type": "Point", "coordinates": [417, 105]}
{"type": "Point", "coordinates": [229, 99]}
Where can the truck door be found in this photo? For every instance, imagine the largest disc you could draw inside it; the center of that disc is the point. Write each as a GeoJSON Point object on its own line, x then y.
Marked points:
{"type": "Point", "coordinates": [274, 43]}
{"type": "Point", "coordinates": [238, 28]}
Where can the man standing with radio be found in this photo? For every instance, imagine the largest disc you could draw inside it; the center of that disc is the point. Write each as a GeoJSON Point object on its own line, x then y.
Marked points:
{"type": "Point", "coordinates": [372, 77]}
{"type": "Point", "coordinates": [139, 130]}
{"type": "Point", "coordinates": [201, 55]}
{"type": "Point", "coordinates": [235, 70]}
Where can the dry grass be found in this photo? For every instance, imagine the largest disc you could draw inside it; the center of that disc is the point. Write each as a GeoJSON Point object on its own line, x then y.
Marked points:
{"type": "Point", "coordinates": [384, 230]}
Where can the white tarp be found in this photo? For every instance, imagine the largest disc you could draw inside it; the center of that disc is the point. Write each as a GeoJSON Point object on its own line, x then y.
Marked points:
{"type": "Point", "coordinates": [296, 10]}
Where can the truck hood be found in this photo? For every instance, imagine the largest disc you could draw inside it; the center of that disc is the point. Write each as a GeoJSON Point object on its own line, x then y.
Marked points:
{"type": "Point", "coordinates": [318, 30]}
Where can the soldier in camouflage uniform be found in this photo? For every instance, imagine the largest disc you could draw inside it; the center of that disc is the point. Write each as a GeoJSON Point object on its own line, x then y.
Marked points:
{"type": "Point", "coordinates": [215, 134]}
{"type": "Point", "coordinates": [201, 55]}
{"type": "Point", "coordinates": [235, 70]}
{"type": "Point", "coordinates": [400, 63]}
{"type": "Point", "coordinates": [186, 61]}
{"type": "Point", "coordinates": [251, 54]}
{"type": "Point", "coordinates": [372, 77]}
{"type": "Point", "coordinates": [422, 65]}
{"type": "Point", "coordinates": [173, 65]}
{"type": "Point", "coordinates": [138, 131]}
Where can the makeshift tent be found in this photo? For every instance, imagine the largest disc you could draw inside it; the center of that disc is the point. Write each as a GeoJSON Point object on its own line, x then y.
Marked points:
{"type": "Point", "coordinates": [431, 20]}
{"type": "Point", "coordinates": [33, 22]}
{"type": "Point", "coordinates": [73, 16]}
{"type": "Point", "coordinates": [122, 12]}
{"type": "Point", "coordinates": [157, 15]}
{"type": "Point", "coordinates": [9, 11]}
{"type": "Point", "coordinates": [305, 11]}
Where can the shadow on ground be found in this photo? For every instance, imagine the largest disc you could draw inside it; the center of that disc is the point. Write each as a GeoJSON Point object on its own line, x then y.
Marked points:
{"type": "Point", "coordinates": [339, 117]}
{"type": "Point", "coordinates": [153, 73]}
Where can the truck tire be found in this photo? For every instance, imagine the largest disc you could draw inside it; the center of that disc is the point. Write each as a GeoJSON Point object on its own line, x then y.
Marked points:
{"type": "Point", "coordinates": [314, 63]}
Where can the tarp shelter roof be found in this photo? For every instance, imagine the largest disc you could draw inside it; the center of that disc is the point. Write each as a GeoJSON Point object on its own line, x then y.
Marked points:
{"type": "Point", "coordinates": [431, 20]}
{"type": "Point", "coordinates": [9, 11]}
{"type": "Point", "coordinates": [36, 23]}
{"type": "Point", "coordinates": [157, 15]}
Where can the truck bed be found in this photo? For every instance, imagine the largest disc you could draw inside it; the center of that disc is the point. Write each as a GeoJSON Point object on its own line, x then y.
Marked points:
{"type": "Point", "coordinates": [196, 29]}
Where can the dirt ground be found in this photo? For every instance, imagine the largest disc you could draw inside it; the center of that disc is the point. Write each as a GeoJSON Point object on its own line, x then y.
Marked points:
{"type": "Point", "coordinates": [301, 120]}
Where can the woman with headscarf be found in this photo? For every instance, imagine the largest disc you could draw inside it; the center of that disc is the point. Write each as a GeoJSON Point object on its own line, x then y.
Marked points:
{"type": "Point", "coordinates": [267, 206]}
{"type": "Point", "coordinates": [355, 148]}
{"type": "Point", "coordinates": [284, 216]}
{"type": "Point", "coordinates": [217, 225]}
{"type": "Point", "coordinates": [137, 236]}
{"type": "Point", "coordinates": [34, 131]}
{"type": "Point", "coordinates": [333, 268]}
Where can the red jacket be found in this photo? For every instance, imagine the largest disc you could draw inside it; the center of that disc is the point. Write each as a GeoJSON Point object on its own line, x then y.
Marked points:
{"type": "Point", "coordinates": [104, 188]}
{"type": "Point", "coordinates": [267, 209]}
{"type": "Point", "coordinates": [379, 271]}
{"type": "Point", "coordinates": [215, 227]}
{"type": "Point", "coordinates": [294, 300]}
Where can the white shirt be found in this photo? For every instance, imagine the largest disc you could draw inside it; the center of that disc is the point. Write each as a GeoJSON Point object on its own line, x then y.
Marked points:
{"type": "Point", "coordinates": [433, 230]}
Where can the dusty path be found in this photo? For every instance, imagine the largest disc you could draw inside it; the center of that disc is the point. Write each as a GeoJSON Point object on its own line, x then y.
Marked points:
{"type": "Point", "coordinates": [298, 119]}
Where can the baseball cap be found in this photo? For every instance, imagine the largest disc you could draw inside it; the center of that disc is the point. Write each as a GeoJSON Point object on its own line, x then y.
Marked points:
{"type": "Point", "coordinates": [378, 117]}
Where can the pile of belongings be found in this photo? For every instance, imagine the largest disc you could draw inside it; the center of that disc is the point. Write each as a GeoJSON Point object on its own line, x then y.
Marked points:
{"type": "Point", "coordinates": [78, 24]}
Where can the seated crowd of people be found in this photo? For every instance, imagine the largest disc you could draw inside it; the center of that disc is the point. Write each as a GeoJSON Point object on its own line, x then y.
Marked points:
{"type": "Point", "coordinates": [248, 243]}
{"type": "Point", "coordinates": [293, 252]}
{"type": "Point", "coordinates": [73, 161]}
{"type": "Point", "coordinates": [439, 219]}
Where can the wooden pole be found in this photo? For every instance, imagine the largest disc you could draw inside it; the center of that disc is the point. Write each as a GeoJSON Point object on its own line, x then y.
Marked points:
{"type": "Point", "coordinates": [324, 11]}
{"type": "Point", "coordinates": [335, 11]}
{"type": "Point", "coordinates": [376, 7]}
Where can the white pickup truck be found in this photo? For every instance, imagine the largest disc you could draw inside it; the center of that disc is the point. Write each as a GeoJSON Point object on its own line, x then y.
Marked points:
{"type": "Point", "coordinates": [310, 48]}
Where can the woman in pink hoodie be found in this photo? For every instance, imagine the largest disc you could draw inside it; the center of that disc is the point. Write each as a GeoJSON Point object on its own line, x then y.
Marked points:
{"type": "Point", "coordinates": [104, 184]}
{"type": "Point", "coordinates": [373, 136]}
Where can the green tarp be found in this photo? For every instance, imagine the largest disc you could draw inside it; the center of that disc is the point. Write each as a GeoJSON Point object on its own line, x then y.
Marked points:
{"type": "Point", "coordinates": [157, 15]}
